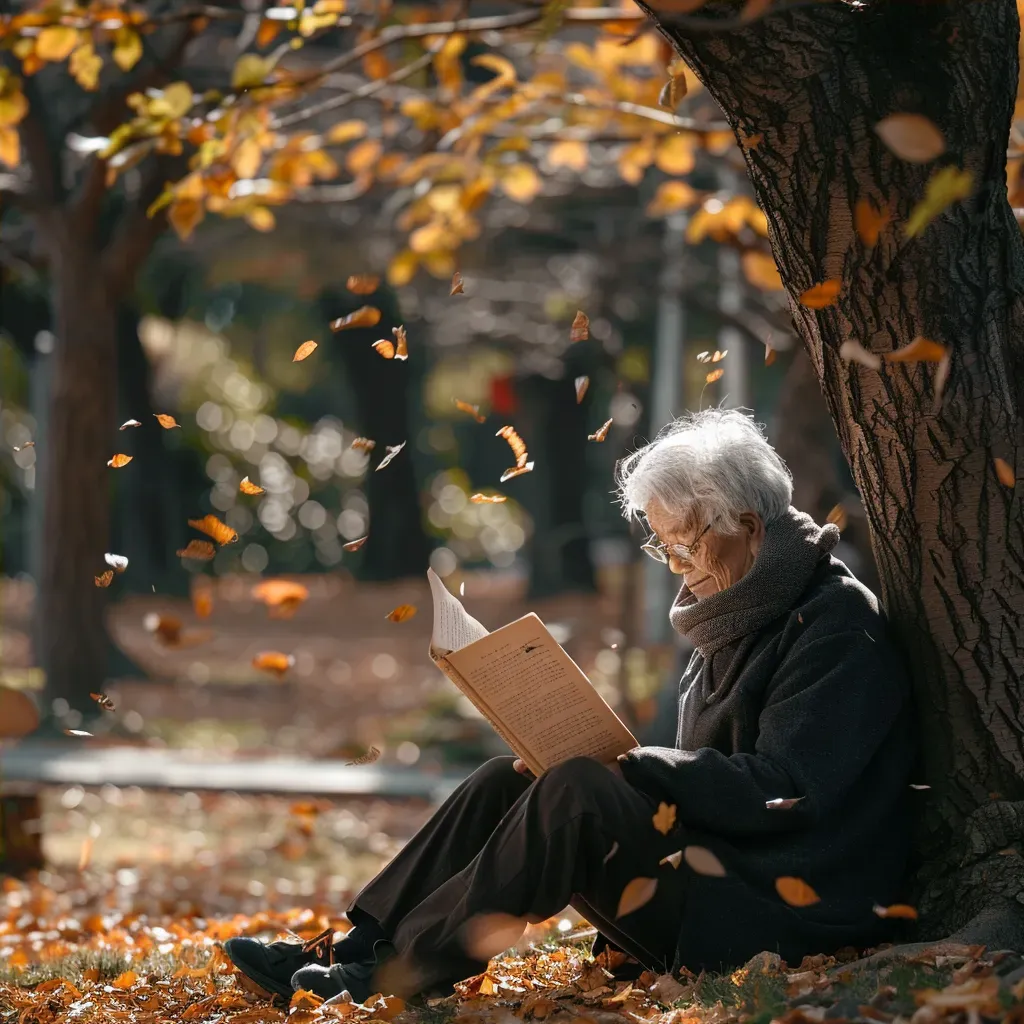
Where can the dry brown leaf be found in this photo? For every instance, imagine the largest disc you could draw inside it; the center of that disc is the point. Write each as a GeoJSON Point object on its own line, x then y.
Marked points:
{"type": "Point", "coordinates": [487, 499]}
{"type": "Point", "coordinates": [364, 316]}
{"type": "Point", "coordinates": [665, 818]}
{"type": "Point", "coordinates": [199, 550]}
{"type": "Point", "coordinates": [714, 375]}
{"type": "Point", "coordinates": [278, 593]}
{"type": "Point", "coordinates": [166, 421]}
{"type": "Point", "coordinates": [116, 562]}
{"type": "Point", "coordinates": [837, 516]}
{"type": "Point", "coordinates": [401, 343]}
{"type": "Point", "coordinates": [274, 662]}
{"type": "Point", "coordinates": [903, 910]}
{"type": "Point", "coordinates": [869, 220]}
{"type": "Point", "coordinates": [770, 355]}
{"type": "Point", "coordinates": [362, 284]}
{"type": "Point", "coordinates": [796, 892]}
{"type": "Point", "coordinates": [783, 803]}
{"type": "Point", "coordinates": [84, 856]}
{"type": "Point", "coordinates": [457, 288]}
{"type": "Point", "coordinates": [166, 628]}
{"type": "Point", "coordinates": [355, 545]}
{"type": "Point", "coordinates": [515, 471]}
{"type": "Point", "coordinates": [213, 527]}
{"type": "Point", "coordinates": [105, 578]}
{"type": "Point", "coordinates": [402, 613]}
{"type": "Point", "coordinates": [855, 352]}
{"type": "Point", "coordinates": [675, 859]}
{"type": "Point", "coordinates": [636, 894]}
{"type": "Point", "coordinates": [76, 732]}
{"type": "Point", "coordinates": [363, 444]}
{"type": "Point", "coordinates": [1004, 472]}
{"type": "Point", "coordinates": [580, 329]}
{"type": "Point", "coordinates": [368, 758]}
{"type": "Point", "coordinates": [516, 443]}
{"type": "Point", "coordinates": [473, 410]}
{"type": "Point", "coordinates": [202, 598]}
{"type": "Point", "coordinates": [390, 451]}
{"type": "Point", "coordinates": [920, 350]}
{"type": "Point", "coordinates": [129, 423]}
{"type": "Point", "coordinates": [581, 384]}
{"type": "Point", "coordinates": [248, 487]}
{"type": "Point", "coordinates": [384, 348]}
{"type": "Point", "coordinates": [304, 351]}
{"type": "Point", "coordinates": [719, 356]}
{"type": "Point", "coordinates": [103, 700]}
{"type": "Point", "coordinates": [911, 137]}
{"type": "Point", "coordinates": [703, 862]}
{"type": "Point", "coordinates": [118, 461]}
{"type": "Point", "coordinates": [602, 431]}
{"type": "Point", "coordinates": [821, 296]}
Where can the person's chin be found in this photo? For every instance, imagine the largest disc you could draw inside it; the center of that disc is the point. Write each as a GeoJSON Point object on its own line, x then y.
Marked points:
{"type": "Point", "coordinates": [703, 587]}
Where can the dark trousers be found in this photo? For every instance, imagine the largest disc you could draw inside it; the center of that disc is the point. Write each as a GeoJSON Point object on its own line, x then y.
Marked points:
{"type": "Point", "coordinates": [503, 843]}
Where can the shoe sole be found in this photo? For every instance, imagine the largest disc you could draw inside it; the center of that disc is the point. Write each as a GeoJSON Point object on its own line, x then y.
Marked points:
{"type": "Point", "coordinates": [270, 986]}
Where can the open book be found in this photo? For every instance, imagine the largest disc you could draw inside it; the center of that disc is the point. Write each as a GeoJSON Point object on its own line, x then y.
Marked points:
{"type": "Point", "coordinates": [525, 685]}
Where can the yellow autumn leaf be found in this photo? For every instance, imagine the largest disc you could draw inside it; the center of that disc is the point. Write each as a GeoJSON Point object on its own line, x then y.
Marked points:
{"type": "Point", "coordinates": [250, 71]}
{"type": "Point", "coordinates": [345, 131]}
{"type": "Point", "coordinates": [13, 105]}
{"type": "Point", "coordinates": [760, 270]}
{"type": "Point", "coordinates": [402, 268]}
{"type": "Point", "coordinates": [362, 157]}
{"type": "Point", "coordinates": [85, 67]}
{"type": "Point", "coordinates": [675, 155]}
{"type": "Point", "coordinates": [127, 48]}
{"type": "Point", "coordinates": [304, 351]}
{"type": "Point", "coordinates": [10, 147]}
{"type": "Point", "coordinates": [571, 153]}
{"type": "Point", "coordinates": [184, 215]}
{"type": "Point", "coordinates": [55, 42]}
{"type": "Point", "coordinates": [520, 182]}
{"type": "Point", "coordinates": [247, 157]}
{"type": "Point", "coordinates": [261, 218]}
{"type": "Point", "coordinates": [672, 196]}
{"type": "Point", "coordinates": [943, 189]}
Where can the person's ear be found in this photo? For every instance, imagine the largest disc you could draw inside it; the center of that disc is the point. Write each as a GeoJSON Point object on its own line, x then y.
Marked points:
{"type": "Point", "coordinates": [752, 527]}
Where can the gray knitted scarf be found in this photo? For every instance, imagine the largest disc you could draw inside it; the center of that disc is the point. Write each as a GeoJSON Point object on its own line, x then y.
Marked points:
{"type": "Point", "coordinates": [793, 546]}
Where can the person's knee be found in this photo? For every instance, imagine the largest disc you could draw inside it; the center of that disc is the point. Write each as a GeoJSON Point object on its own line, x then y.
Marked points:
{"type": "Point", "coordinates": [579, 780]}
{"type": "Point", "coordinates": [497, 773]}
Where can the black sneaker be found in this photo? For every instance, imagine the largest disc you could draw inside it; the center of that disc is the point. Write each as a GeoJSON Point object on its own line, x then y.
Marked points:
{"type": "Point", "coordinates": [272, 964]}
{"type": "Point", "coordinates": [356, 979]}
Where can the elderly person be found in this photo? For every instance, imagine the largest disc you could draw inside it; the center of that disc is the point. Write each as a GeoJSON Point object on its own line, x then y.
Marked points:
{"type": "Point", "coordinates": [792, 759]}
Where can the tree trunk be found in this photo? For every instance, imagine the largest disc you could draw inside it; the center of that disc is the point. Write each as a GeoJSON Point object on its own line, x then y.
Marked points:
{"type": "Point", "coordinates": [72, 644]}
{"type": "Point", "coordinates": [805, 86]}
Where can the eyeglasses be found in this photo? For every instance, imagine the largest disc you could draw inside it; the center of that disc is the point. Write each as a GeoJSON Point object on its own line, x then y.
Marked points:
{"type": "Point", "coordinates": [662, 552]}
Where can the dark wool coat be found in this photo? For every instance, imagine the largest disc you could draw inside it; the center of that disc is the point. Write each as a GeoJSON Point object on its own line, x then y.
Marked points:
{"type": "Point", "coordinates": [816, 705]}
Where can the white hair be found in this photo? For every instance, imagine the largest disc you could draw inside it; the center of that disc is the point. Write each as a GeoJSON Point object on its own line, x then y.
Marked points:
{"type": "Point", "coordinates": [704, 466]}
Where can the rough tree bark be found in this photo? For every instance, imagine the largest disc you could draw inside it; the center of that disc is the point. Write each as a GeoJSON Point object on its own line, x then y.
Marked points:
{"type": "Point", "coordinates": [805, 86]}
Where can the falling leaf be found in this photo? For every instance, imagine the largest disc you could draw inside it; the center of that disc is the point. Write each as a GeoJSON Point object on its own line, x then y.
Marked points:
{"type": "Point", "coordinates": [166, 628]}
{"type": "Point", "coordinates": [76, 732]}
{"type": "Point", "coordinates": [368, 758]}
{"type": "Point", "coordinates": [129, 423]}
{"type": "Point", "coordinates": [919, 785]}
{"type": "Point", "coordinates": [637, 893]}
{"type": "Point", "coordinates": [515, 471]}
{"type": "Point", "coordinates": [769, 355]}
{"type": "Point", "coordinates": [199, 550]}
{"type": "Point", "coordinates": [390, 451]}
{"type": "Point", "coordinates": [611, 853]}
{"type": "Point", "coordinates": [116, 562]}
{"type": "Point", "coordinates": [704, 357]}
{"type": "Point", "coordinates": [703, 862]}
{"type": "Point", "coordinates": [103, 700]}
{"type": "Point", "coordinates": [362, 284]}
{"type": "Point", "coordinates": [118, 461]}
{"type": "Point", "coordinates": [248, 487]}
{"type": "Point", "coordinates": [581, 383]}
{"type": "Point", "coordinates": [665, 818]}
{"type": "Point", "coordinates": [837, 516]}
{"type": "Point", "coordinates": [580, 329]}
{"type": "Point", "coordinates": [105, 578]}
{"type": "Point", "coordinates": [363, 444]}
{"type": "Point", "coordinates": [903, 910]}
{"type": "Point", "coordinates": [783, 803]}
{"type": "Point", "coordinates": [855, 352]}
{"type": "Point", "coordinates": [1004, 472]}
{"type": "Point", "coordinates": [274, 662]}
{"type": "Point", "coordinates": [670, 197]}
{"type": "Point", "coordinates": [939, 381]}
{"type": "Point", "coordinates": [28, 444]}
{"type": "Point", "coordinates": [166, 421]}
{"type": "Point", "coordinates": [85, 853]}
{"type": "Point", "coordinates": [457, 288]}
{"type": "Point", "coordinates": [55, 42]}
{"type": "Point", "coordinates": [796, 892]}
{"type": "Point", "coordinates": [675, 859]}
{"type": "Point", "coordinates": [601, 433]}
{"type": "Point", "coordinates": [911, 137]}
{"type": "Point", "coordinates": [869, 220]}
{"type": "Point", "coordinates": [304, 351]}
{"type": "Point", "coordinates": [944, 188]}
{"type": "Point", "coordinates": [364, 316]}
{"type": "Point", "coordinates": [719, 356]}
{"type": "Point", "coordinates": [401, 343]}
{"type": "Point", "coordinates": [487, 499]}
{"type": "Point", "coordinates": [125, 980]}
{"type": "Point", "coordinates": [473, 410]}
{"type": "Point", "coordinates": [213, 527]}
{"type": "Point", "coordinates": [821, 296]}
{"type": "Point", "coordinates": [355, 545]}
{"type": "Point", "coordinates": [714, 375]}
{"type": "Point", "coordinates": [515, 442]}
{"type": "Point", "coordinates": [673, 92]}
{"type": "Point", "coordinates": [402, 613]}
{"type": "Point", "coordinates": [760, 270]}
{"type": "Point", "coordinates": [384, 348]}
{"type": "Point", "coordinates": [202, 598]}
{"type": "Point", "coordinates": [920, 350]}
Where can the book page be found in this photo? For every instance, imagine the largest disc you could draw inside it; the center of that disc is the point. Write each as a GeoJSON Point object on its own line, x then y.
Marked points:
{"type": "Point", "coordinates": [540, 696]}
{"type": "Point", "coordinates": [454, 627]}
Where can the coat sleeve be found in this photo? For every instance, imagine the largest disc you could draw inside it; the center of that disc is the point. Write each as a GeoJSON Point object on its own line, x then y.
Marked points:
{"type": "Point", "coordinates": [829, 707]}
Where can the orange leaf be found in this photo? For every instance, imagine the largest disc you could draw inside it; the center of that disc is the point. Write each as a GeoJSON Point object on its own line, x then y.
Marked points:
{"type": "Point", "coordinates": [165, 628]}
{"type": "Point", "coordinates": [384, 348]}
{"type": "Point", "coordinates": [769, 355]}
{"type": "Point", "coordinates": [903, 910]}
{"type": "Point", "coordinates": [581, 383]}
{"type": "Point", "coordinates": [1004, 472]}
{"type": "Point", "coordinates": [457, 288]}
{"type": "Point", "coordinates": [760, 270]}
{"type": "Point", "coordinates": [401, 343]}
{"type": "Point", "coordinates": [911, 137]}
{"type": "Point", "coordinates": [118, 461]}
{"type": "Point", "coordinates": [580, 329]}
{"type": "Point", "coordinates": [363, 444]}
{"type": "Point", "coordinates": [368, 758]}
{"type": "Point", "coordinates": [796, 892]}
{"type": "Point", "coordinates": [821, 295]}
{"type": "Point", "coordinates": [402, 613]}
{"type": "Point", "coordinates": [516, 443]}
{"type": "Point", "coordinates": [571, 153]}
{"type": "Point", "coordinates": [473, 410]}
{"type": "Point", "coordinates": [274, 662]}
{"type": "Point", "coordinates": [103, 700]}
{"type": "Point", "coordinates": [601, 433]}
{"type": "Point", "coordinates": [362, 284]}
{"type": "Point", "coordinates": [636, 894]}
{"type": "Point", "coordinates": [125, 980]}
{"type": "Point", "coordinates": [869, 220]}
{"type": "Point", "coordinates": [515, 471]}
{"type": "Point", "coordinates": [714, 375]}
{"type": "Point", "coordinates": [487, 499]}
{"type": "Point", "coordinates": [104, 579]}
{"type": "Point", "coordinates": [202, 599]}
{"type": "Point", "coordinates": [166, 421]}
{"type": "Point", "coordinates": [703, 862]}
{"type": "Point", "coordinates": [277, 592]}
{"type": "Point", "coordinates": [213, 527]}
{"type": "Point", "coordinates": [355, 545]}
{"type": "Point", "coordinates": [837, 516]}
{"type": "Point", "coordinates": [200, 550]}
{"type": "Point", "coordinates": [675, 859]}
{"type": "Point", "coordinates": [665, 818]}
{"type": "Point", "coordinates": [304, 351]}
{"type": "Point", "coordinates": [364, 316]}
{"type": "Point", "coordinates": [248, 487]}
{"type": "Point", "coordinates": [920, 350]}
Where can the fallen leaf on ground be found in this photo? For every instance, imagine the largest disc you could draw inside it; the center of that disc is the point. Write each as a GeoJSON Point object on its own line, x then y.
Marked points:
{"type": "Point", "coordinates": [602, 431]}
{"type": "Point", "coordinates": [248, 487]}
{"type": "Point", "coordinates": [637, 893]}
{"type": "Point", "coordinates": [274, 662]}
{"type": "Point", "coordinates": [1004, 472]}
{"type": "Point", "coordinates": [821, 296]}
{"type": "Point", "coordinates": [105, 578]}
{"type": "Point", "coordinates": [129, 423]}
{"type": "Point", "coordinates": [920, 350]}
{"type": "Point", "coordinates": [580, 329]}
{"type": "Point", "coordinates": [304, 351]}
{"type": "Point", "coordinates": [355, 545]}
{"type": "Point", "coordinates": [487, 499]}
{"type": "Point", "coordinates": [581, 384]}
{"type": "Point", "coordinates": [362, 284]}
{"type": "Point", "coordinates": [457, 288]}
{"type": "Point", "coordinates": [703, 862]}
{"type": "Point", "coordinates": [402, 613]}
{"type": "Point", "coordinates": [116, 562]}
{"type": "Point", "coordinates": [911, 137]}
{"type": "Point", "coordinates": [665, 818]}
{"type": "Point", "coordinates": [855, 352]}
{"type": "Point", "coordinates": [200, 550]}
{"type": "Point", "coordinates": [390, 451]}
{"type": "Point", "coordinates": [796, 892]}
{"type": "Point", "coordinates": [364, 316]}
{"type": "Point", "coordinates": [213, 527]}
{"type": "Point", "coordinates": [166, 421]}
{"type": "Point", "coordinates": [125, 980]}
{"type": "Point", "coordinates": [119, 460]}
